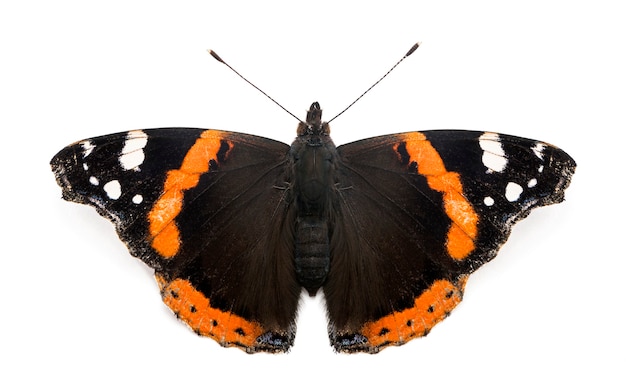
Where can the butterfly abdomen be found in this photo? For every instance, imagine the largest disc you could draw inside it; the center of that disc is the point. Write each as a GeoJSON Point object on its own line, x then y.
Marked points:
{"type": "Point", "coordinates": [312, 257]}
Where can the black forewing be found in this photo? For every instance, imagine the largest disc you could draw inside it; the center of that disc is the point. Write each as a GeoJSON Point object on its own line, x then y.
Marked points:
{"type": "Point", "coordinates": [391, 227]}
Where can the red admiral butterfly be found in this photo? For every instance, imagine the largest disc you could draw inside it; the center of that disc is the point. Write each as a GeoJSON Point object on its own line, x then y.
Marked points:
{"type": "Point", "coordinates": [388, 228]}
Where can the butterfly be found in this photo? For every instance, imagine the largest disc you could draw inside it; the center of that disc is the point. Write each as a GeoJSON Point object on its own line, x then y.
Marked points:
{"type": "Point", "coordinates": [237, 226]}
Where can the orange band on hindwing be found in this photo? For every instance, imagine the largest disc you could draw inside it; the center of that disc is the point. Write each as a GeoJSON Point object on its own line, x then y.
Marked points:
{"type": "Point", "coordinates": [464, 227]}
{"type": "Point", "coordinates": [430, 308]}
{"type": "Point", "coordinates": [162, 228]}
{"type": "Point", "coordinates": [193, 308]}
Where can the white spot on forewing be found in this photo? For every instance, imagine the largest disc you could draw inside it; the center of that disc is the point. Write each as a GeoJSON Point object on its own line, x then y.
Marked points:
{"type": "Point", "coordinates": [488, 201]}
{"type": "Point", "coordinates": [113, 189]}
{"type": "Point", "coordinates": [85, 166]}
{"type": "Point", "coordinates": [87, 147]}
{"type": "Point", "coordinates": [532, 183]}
{"type": "Point", "coordinates": [493, 154]}
{"type": "Point", "coordinates": [132, 153]}
{"type": "Point", "coordinates": [137, 199]}
{"type": "Point", "coordinates": [94, 181]}
{"type": "Point", "coordinates": [513, 191]}
{"type": "Point", "coordinates": [538, 149]}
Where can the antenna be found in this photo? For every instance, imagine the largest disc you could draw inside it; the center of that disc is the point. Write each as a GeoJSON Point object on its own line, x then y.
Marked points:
{"type": "Point", "coordinates": [218, 58]}
{"type": "Point", "coordinates": [407, 54]}
{"type": "Point", "coordinates": [413, 48]}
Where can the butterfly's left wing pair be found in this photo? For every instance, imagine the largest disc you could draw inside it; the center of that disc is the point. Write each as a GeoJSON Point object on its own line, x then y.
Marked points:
{"type": "Point", "coordinates": [212, 212]}
{"type": "Point", "coordinates": [206, 210]}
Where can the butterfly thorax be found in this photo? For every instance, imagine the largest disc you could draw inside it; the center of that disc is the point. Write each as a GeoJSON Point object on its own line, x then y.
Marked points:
{"type": "Point", "coordinates": [313, 154]}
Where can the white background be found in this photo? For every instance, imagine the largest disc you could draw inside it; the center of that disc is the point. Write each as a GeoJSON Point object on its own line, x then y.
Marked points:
{"type": "Point", "coordinates": [76, 307]}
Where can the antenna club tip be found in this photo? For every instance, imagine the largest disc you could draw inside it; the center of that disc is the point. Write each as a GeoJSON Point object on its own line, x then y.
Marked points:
{"type": "Point", "coordinates": [413, 48]}
{"type": "Point", "coordinates": [215, 55]}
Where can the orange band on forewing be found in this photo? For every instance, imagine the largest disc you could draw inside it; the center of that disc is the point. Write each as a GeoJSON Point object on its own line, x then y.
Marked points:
{"type": "Point", "coordinates": [163, 229]}
{"type": "Point", "coordinates": [430, 308]}
{"type": "Point", "coordinates": [463, 229]}
{"type": "Point", "coordinates": [193, 308]}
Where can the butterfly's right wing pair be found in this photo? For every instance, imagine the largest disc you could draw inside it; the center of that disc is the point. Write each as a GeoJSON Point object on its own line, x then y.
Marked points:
{"type": "Point", "coordinates": [418, 212]}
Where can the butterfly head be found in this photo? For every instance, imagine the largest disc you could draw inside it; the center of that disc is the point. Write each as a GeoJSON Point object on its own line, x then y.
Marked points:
{"type": "Point", "coordinates": [313, 127]}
